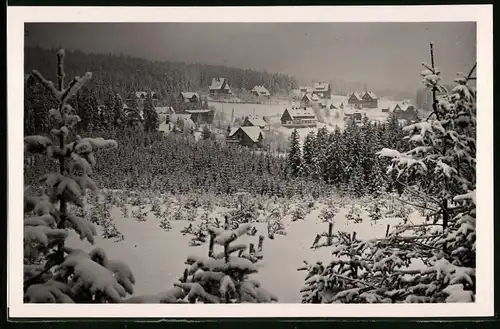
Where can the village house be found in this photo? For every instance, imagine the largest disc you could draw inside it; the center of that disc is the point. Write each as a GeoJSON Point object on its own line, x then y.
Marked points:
{"type": "Point", "coordinates": [354, 99]}
{"type": "Point", "coordinates": [185, 118]}
{"type": "Point", "coordinates": [254, 122]}
{"type": "Point", "coordinates": [219, 86]}
{"type": "Point", "coordinates": [405, 111]}
{"type": "Point", "coordinates": [261, 91]}
{"type": "Point", "coordinates": [356, 117]}
{"type": "Point", "coordinates": [328, 104]}
{"type": "Point", "coordinates": [363, 100]}
{"type": "Point", "coordinates": [246, 136]}
{"type": "Point", "coordinates": [306, 100]}
{"type": "Point", "coordinates": [200, 116]}
{"type": "Point", "coordinates": [306, 89]}
{"type": "Point", "coordinates": [370, 100]}
{"type": "Point", "coordinates": [322, 90]}
{"type": "Point", "coordinates": [140, 96]}
{"type": "Point", "coordinates": [165, 113]}
{"type": "Point", "coordinates": [303, 117]}
{"type": "Point", "coordinates": [189, 97]}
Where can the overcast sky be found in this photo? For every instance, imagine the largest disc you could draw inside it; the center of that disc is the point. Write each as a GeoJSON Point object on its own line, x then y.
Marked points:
{"type": "Point", "coordinates": [386, 55]}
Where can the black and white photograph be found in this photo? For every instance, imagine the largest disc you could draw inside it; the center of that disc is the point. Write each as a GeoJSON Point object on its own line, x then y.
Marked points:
{"type": "Point", "coordinates": [231, 161]}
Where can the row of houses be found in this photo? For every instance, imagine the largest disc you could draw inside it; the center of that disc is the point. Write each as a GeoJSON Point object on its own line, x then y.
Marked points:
{"type": "Point", "coordinates": [220, 87]}
{"type": "Point", "coordinates": [312, 100]}
{"type": "Point", "coordinates": [319, 90]}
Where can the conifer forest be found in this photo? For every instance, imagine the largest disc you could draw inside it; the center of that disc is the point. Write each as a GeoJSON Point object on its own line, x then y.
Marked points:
{"type": "Point", "coordinates": [120, 210]}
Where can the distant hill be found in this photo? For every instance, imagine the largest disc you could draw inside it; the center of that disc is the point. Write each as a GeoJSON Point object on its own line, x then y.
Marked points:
{"type": "Point", "coordinates": [125, 74]}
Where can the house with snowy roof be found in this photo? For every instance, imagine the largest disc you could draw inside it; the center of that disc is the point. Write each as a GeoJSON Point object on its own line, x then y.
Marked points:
{"type": "Point", "coordinates": [165, 113]}
{"type": "Point", "coordinates": [219, 86]}
{"type": "Point", "coordinates": [336, 106]}
{"type": "Point", "coordinates": [370, 100]}
{"type": "Point", "coordinates": [405, 111]}
{"type": "Point", "coordinates": [140, 96]}
{"type": "Point", "coordinates": [246, 136]}
{"type": "Point", "coordinates": [367, 99]}
{"type": "Point", "coordinates": [306, 89]}
{"type": "Point", "coordinates": [189, 97]}
{"type": "Point", "coordinates": [302, 117]}
{"type": "Point", "coordinates": [307, 100]}
{"type": "Point", "coordinates": [322, 90]}
{"type": "Point", "coordinates": [200, 116]}
{"type": "Point", "coordinates": [254, 122]}
{"type": "Point", "coordinates": [261, 91]}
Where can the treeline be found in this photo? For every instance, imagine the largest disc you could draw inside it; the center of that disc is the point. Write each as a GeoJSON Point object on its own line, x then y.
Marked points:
{"type": "Point", "coordinates": [94, 115]}
{"type": "Point", "coordinates": [124, 74]}
{"type": "Point", "coordinates": [347, 159]}
{"type": "Point", "coordinates": [177, 164]}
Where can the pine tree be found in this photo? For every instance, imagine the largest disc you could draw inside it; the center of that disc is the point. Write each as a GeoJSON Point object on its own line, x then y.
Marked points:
{"type": "Point", "coordinates": [107, 111]}
{"type": "Point", "coordinates": [151, 120]}
{"type": "Point", "coordinates": [322, 142]}
{"type": "Point", "coordinates": [310, 154]}
{"type": "Point", "coordinates": [54, 272]}
{"type": "Point", "coordinates": [88, 109]}
{"type": "Point", "coordinates": [335, 158]}
{"type": "Point", "coordinates": [133, 113]}
{"type": "Point", "coordinates": [118, 112]}
{"type": "Point", "coordinates": [439, 167]}
{"type": "Point", "coordinates": [294, 159]}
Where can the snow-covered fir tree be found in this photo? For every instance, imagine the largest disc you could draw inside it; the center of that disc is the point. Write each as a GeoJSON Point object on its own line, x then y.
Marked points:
{"type": "Point", "coordinates": [151, 120]}
{"type": "Point", "coordinates": [439, 167]}
{"type": "Point", "coordinates": [294, 160]}
{"type": "Point", "coordinates": [309, 155]}
{"type": "Point", "coordinates": [54, 272]}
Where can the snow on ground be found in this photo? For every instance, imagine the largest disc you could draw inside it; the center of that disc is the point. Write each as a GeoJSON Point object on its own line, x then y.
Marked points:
{"type": "Point", "coordinates": [275, 110]}
{"type": "Point", "coordinates": [157, 257]}
{"type": "Point", "coordinates": [242, 110]}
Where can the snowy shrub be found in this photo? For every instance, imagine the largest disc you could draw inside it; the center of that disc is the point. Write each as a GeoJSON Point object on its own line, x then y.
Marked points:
{"type": "Point", "coordinates": [246, 213]}
{"type": "Point", "coordinates": [375, 212]}
{"type": "Point", "coordinates": [354, 214]}
{"type": "Point", "coordinates": [298, 213]}
{"type": "Point", "coordinates": [219, 278]}
{"type": "Point", "coordinates": [439, 168]}
{"type": "Point", "coordinates": [140, 214]}
{"type": "Point", "coordinates": [53, 272]}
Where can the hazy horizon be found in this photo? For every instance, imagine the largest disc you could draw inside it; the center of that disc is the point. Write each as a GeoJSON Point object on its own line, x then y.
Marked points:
{"type": "Point", "coordinates": [382, 55]}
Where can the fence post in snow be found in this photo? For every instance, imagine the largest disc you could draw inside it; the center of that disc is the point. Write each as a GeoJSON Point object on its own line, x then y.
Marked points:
{"type": "Point", "coordinates": [211, 245]}
{"type": "Point", "coordinates": [261, 243]}
{"type": "Point", "coordinates": [330, 231]}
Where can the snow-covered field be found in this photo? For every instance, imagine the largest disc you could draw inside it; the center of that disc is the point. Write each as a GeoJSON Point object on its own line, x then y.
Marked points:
{"type": "Point", "coordinates": [274, 112]}
{"type": "Point", "coordinates": [157, 257]}
{"type": "Point", "coordinates": [242, 110]}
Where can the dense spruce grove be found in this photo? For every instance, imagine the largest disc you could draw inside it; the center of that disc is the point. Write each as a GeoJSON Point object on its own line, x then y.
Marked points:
{"type": "Point", "coordinates": [178, 164]}
{"type": "Point", "coordinates": [432, 162]}
{"type": "Point", "coordinates": [347, 159]}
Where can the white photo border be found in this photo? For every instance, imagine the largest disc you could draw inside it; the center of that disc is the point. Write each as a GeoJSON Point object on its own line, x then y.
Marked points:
{"type": "Point", "coordinates": [481, 14]}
